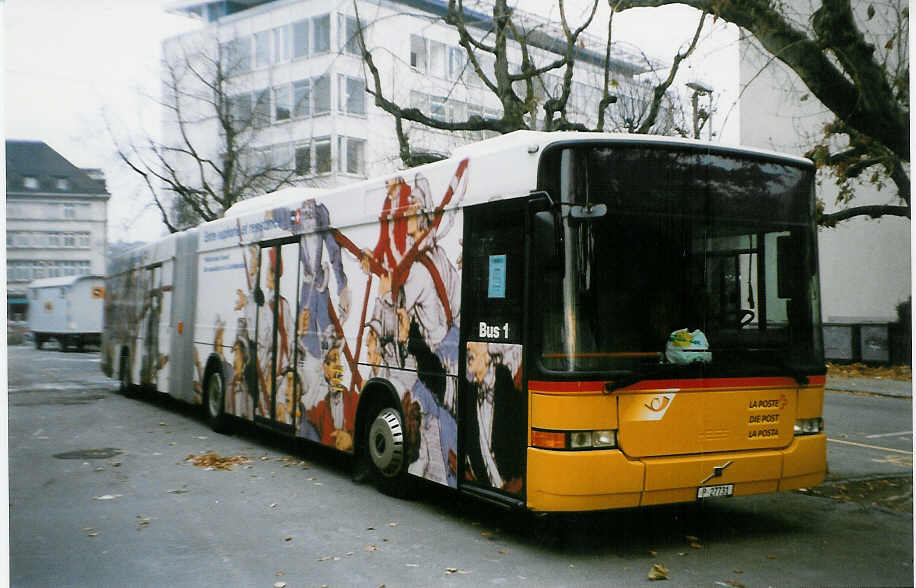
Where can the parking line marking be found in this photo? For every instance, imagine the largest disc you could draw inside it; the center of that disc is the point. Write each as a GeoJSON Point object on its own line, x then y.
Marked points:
{"type": "Point", "coordinates": [897, 434]}
{"type": "Point", "coordinates": [871, 446]}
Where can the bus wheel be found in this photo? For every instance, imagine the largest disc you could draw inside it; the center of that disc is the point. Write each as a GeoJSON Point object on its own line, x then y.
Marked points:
{"type": "Point", "coordinates": [385, 445]}
{"type": "Point", "coordinates": [126, 387]}
{"type": "Point", "coordinates": [214, 401]}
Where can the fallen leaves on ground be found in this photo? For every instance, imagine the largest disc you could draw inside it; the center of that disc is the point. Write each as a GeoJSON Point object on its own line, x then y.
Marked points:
{"type": "Point", "coordinates": [107, 497]}
{"type": "Point", "coordinates": [211, 459]}
{"type": "Point", "coordinates": [90, 531]}
{"type": "Point", "coordinates": [142, 522]}
{"type": "Point", "coordinates": [861, 370]}
{"type": "Point", "coordinates": [658, 572]}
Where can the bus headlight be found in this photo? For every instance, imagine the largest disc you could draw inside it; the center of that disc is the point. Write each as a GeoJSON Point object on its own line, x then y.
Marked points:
{"type": "Point", "coordinates": [604, 438]}
{"type": "Point", "coordinates": [809, 426]}
{"type": "Point", "coordinates": [575, 440]}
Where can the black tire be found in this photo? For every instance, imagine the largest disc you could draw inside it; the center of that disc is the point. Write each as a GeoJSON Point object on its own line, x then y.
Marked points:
{"type": "Point", "coordinates": [38, 341]}
{"type": "Point", "coordinates": [385, 446]}
{"type": "Point", "coordinates": [214, 401]}
{"type": "Point", "coordinates": [126, 388]}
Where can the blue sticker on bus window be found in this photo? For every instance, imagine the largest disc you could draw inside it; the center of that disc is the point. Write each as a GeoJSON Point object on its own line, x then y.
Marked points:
{"type": "Point", "coordinates": [496, 287]}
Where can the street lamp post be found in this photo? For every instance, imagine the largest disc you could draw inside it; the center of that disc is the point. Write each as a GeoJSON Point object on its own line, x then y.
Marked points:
{"type": "Point", "coordinates": [700, 89]}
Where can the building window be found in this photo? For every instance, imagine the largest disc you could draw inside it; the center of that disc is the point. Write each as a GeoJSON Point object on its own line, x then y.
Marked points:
{"type": "Point", "coordinates": [240, 110]}
{"type": "Point", "coordinates": [262, 49]}
{"type": "Point", "coordinates": [352, 155]}
{"type": "Point", "coordinates": [262, 108]}
{"type": "Point", "coordinates": [323, 156]}
{"type": "Point", "coordinates": [281, 103]}
{"type": "Point", "coordinates": [281, 44]}
{"type": "Point", "coordinates": [69, 240]}
{"type": "Point", "coordinates": [69, 211]}
{"type": "Point", "coordinates": [300, 38]}
{"type": "Point", "coordinates": [301, 97]}
{"type": "Point", "coordinates": [348, 34]}
{"type": "Point", "coordinates": [418, 53]}
{"type": "Point", "coordinates": [303, 160]}
{"type": "Point", "coordinates": [437, 107]}
{"type": "Point", "coordinates": [351, 95]}
{"type": "Point", "coordinates": [84, 240]}
{"type": "Point", "coordinates": [321, 33]}
{"type": "Point", "coordinates": [62, 183]}
{"type": "Point", "coordinates": [437, 59]}
{"type": "Point", "coordinates": [30, 182]}
{"type": "Point", "coordinates": [456, 62]}
{"type": "Point", "coordinates": [238, 55]}
{"type": "Point", "coordinates": [322, 94]}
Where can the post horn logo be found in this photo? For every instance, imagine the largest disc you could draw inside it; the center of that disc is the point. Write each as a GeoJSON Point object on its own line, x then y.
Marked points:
{"type": "Point", "coordinates": [658, 404]}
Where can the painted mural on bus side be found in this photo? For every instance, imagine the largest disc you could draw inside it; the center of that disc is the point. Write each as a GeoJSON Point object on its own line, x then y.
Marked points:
{"type": "Point", "coordinates": [318, 310]}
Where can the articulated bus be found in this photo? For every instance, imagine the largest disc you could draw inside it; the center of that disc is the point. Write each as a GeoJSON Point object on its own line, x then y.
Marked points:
{"type": "Point", "coordinates": [549, 321]}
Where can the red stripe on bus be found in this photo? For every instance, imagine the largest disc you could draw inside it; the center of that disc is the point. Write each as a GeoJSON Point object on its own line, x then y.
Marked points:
{"type": "Point", "coordinates": [696, 384]}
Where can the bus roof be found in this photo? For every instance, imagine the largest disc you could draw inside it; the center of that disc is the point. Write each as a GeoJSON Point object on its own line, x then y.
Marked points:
{"type": "Point", "coordinates": [519, 150]}
{"type": "Point", "coordinates": [61, 281]}
{"type": "Point", "coordinates": [542, 139]}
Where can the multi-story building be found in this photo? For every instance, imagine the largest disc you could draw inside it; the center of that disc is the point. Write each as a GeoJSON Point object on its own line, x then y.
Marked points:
{"type": "Point", "coordinates": [57, 219]}
{"type": "Point", "coordinates": [297, 69]}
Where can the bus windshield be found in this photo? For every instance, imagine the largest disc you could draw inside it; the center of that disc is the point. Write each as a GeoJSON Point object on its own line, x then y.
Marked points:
{"type": "Point", "coordinates": [676, 261]}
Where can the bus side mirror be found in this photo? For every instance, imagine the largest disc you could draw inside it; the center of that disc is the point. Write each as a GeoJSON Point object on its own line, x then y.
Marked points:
{"type": "Point", "coordinates": [788, 267]}
{"type": "Point", "coordinates": [548, 241]}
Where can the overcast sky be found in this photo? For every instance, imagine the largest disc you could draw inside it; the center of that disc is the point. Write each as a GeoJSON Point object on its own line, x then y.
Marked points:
{"type": "Point", "coordinates": [70, 65]}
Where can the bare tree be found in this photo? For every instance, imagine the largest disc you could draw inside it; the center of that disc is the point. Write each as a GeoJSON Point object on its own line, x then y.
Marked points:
{"type": "Point", "coordinates": [190, 177]}
{"type": "Point", "coordinates": [857, 71]}
{"type": "Point", "coordinates": [539, 92]}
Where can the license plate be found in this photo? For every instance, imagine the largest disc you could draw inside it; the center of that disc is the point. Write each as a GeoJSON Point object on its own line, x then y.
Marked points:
{"type": "Point", "coordinates": [715, 491]}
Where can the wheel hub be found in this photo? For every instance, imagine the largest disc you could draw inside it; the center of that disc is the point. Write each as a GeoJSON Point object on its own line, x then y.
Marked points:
{"type": "Point", "coordinates": [386, 442]}
{"type": "Point", "coordinates": [214, 394]}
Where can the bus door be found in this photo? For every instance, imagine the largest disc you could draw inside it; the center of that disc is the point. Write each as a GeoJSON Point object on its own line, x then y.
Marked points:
{"type": "Point", "coordinates": [152, 309]}
{"type": "Point", "coordinates": [494, 415]}
{"type": "Point", "coordinates": [275, 354]}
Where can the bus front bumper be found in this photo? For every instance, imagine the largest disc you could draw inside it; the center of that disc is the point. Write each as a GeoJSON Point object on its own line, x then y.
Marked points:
{"type": "Point", "coordinates": [601, 480]}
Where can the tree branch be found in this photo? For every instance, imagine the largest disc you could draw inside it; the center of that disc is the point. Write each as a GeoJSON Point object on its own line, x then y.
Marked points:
{"type": "Point", "coordinates": [872, 211]}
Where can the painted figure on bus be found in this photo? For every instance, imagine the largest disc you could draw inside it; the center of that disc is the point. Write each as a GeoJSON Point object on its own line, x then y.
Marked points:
{"type": "Point", "coordinates": [494, 438]}
{"type": "Point", "coordinates": [275, 305]}
{"type": "Point", "coordinates": [333, 420]}
{"type": "Point", "coordinates": [153, 361]}
{"type": "Point", "coordinates": [414, 323]}
{"type": "Point", "coordinates": [320, 256]}
{"type": "Point", "coordinates": [247, 301]}
{"type": "Point", "coordinates": [240, 398]}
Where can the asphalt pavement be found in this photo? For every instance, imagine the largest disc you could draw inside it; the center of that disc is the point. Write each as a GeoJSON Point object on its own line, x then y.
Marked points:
{"type": "Point", "coordinates": [878, 386]}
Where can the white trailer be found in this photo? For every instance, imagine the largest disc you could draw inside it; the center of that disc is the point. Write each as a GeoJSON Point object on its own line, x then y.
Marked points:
{"type": "Point", "coordinates": [68, 309]}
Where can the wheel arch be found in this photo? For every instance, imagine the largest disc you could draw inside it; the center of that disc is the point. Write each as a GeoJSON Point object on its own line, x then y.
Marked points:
{"type": "Point", "coordinates": [214, 365]}
{"type": "Point", "coordinates": [375, 392]}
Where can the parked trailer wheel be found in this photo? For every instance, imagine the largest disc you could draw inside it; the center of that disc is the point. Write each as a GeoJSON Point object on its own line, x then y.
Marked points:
{"type": "Point", "coordinates": [214, 401]}
{"type": "Point", "coordinates": [385, 443]}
